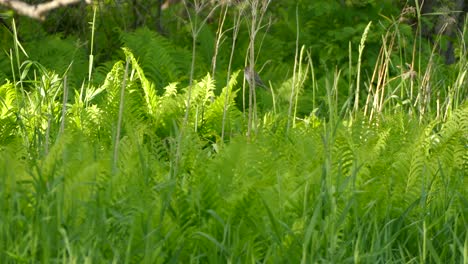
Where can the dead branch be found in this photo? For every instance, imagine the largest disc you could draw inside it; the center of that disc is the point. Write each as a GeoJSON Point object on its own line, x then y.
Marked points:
{"type": "Point", "coordinates": [37, 11]}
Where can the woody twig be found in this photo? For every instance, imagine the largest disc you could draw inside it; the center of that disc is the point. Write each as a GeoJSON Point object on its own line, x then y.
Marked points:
{"type": "Point", "coordinates": [37, 11]}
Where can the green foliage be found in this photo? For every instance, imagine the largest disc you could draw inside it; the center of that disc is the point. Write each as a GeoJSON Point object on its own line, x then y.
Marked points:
{"type": "Point", "coordinates": [7, 113]}
{"type": "Point", "coordinates": [162, 61]}
{"type": "Point", "coordinates": [304, 197]}
{"type": "Point", "coordinates": [179, 180]}
{"type": "Point", "coordinates": [357, 190]}
{"type": "Point", "coordinates": [61, 55]}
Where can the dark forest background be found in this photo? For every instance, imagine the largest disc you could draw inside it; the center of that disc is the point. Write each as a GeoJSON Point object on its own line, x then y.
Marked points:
{"type": "Point", "coordinates": [329, 29]}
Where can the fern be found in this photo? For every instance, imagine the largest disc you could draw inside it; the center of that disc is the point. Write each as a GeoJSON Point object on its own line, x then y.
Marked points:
{"type": "Point", "coordinates": [448, 155]}
{"type": "Point", "coordinates": [450, 143]}
{"type": "Point", "coordinates": [150, 96]}
{"type": "Point", "coordinates": [7, 109]}
{"type": "Point", "coordinates": [214, 112]}
{"type": "Point", "coordinates": [161, 60]}
{"type": "Point", "coordinates": [59, 54]}
{"type": "Point", "coordinates": [85, 116]}
{"type": "Point", "coordinates": [201, 92]}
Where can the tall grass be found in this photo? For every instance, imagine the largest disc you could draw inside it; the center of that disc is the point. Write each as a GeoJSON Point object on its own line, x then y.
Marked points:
{"type": "Point", "coordinates": [126, 174]}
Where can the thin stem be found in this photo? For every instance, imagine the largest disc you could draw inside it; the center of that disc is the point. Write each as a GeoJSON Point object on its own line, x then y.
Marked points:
{"type": "Point", "coordinates": [293, 86]}
{"type": "Point", "coordinates": [64, 105]}
{"type": "Point", "coordinates": [119, 122]}
{"type": "Point", "coordinates": [226, 98]}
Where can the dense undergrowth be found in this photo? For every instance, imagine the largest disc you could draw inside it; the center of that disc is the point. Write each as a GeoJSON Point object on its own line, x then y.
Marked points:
{"type": "Point", "coordinates": [388, 190]}
{"type": "Point", "coordinates": [129, 166]}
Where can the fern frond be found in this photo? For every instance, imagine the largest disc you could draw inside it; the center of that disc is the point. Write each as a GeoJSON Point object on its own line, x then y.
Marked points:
{"type": "Point", "coordinates": [112, 85]}
{"type": "Point", "coordinates": [161, 60]}
{"type": "Point", "coordinates": [8, 125]}
{"type": "Point", "coordinates": [151, 99]}
{"type": "Point", "coordinates": [170, 90]}
{"type": "Point", "coordinates": [7, 99]}
{"type": "Point", "coordinates": [213, 118]}
{"type": "Point", "coordinates": [57, 54]}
